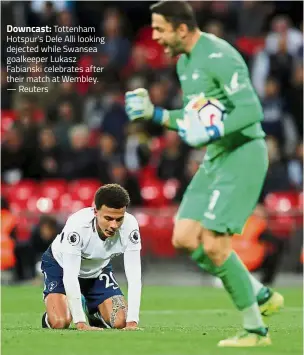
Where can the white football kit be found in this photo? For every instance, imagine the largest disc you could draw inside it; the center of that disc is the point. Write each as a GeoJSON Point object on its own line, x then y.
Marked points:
{"type": "Point", "coordinates": [81, 253]}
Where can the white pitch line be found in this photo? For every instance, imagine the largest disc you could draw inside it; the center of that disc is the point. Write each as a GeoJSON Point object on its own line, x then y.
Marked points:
{"type": "Point", "coordinates": [180, 311]}
{"type": "Point", "coordinates": [210, 311]}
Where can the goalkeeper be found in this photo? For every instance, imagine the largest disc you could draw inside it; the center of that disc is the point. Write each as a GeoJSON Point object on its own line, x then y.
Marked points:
{"type": "Point", "coordinates": [225, 190]}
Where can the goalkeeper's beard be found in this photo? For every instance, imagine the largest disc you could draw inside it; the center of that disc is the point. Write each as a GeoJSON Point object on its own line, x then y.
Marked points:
{"type": "Point", "coordinates": [174, 49]}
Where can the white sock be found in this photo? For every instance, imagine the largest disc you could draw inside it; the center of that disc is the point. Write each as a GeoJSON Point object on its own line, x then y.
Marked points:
{"type": "Point", "coordinates": [252, 318]}
{"type": "Point", "coordinates": [256, 285]}
{"type": "Point", "coordinates": [47, 321]}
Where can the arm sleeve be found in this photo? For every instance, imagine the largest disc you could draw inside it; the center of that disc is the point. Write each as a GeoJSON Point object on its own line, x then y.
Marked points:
{"type": "Point", "coordinates": [71, 238]}
{"type": "Point", "coordinates": [71, 268]}
{"type": "Point", "coordinates": [231, 74]}
{"type": "Point", "coordinates": [171, 117]}
{"type": "Point", "coordinates": [71, 245]}
{"type": "Point", "coordinates": [132, 264]}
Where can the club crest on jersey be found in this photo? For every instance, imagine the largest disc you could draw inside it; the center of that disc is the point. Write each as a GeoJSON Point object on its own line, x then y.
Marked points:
{"type": "Point", "coordinates": [74, 238]}
{"type": "Point", "coordinates": [52, 285]}
{"type": "Point", "coordinates": [134, 236]}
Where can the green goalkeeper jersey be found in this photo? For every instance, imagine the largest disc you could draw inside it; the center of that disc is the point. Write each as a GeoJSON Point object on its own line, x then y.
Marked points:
{"type": "Point", "coordinates": [216, 70]}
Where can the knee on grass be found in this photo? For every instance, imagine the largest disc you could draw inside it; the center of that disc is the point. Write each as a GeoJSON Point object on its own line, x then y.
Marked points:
{"type": "Point", "coordinates": [57, 322]}
{"type": "Point", "coordinates": [120, 321]}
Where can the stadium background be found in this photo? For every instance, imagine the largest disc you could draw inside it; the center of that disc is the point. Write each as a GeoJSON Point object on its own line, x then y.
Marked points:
{"type": "Point", "coordinates": [58, 147]}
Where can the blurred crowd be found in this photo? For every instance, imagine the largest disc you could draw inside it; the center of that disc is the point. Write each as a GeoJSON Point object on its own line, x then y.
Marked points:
{"type": "Point", "coordinates": [80, 130]}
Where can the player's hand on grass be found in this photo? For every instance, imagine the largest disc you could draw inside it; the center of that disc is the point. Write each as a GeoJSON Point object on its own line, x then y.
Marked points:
{"type": "Point", "coordinates": [131, 326]}
{"type": "Point", "coordinates": [86, 327]}
{"type": "Point", "coordinates": [138, 104]}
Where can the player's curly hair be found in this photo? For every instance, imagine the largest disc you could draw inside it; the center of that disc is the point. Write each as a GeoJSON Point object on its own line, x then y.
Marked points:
{"type": "Point", "coordinates": [112, 196]}
{"type": "Point", "coordinates": [176, 12]}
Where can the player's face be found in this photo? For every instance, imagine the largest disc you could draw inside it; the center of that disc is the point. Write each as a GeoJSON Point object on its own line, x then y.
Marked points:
{"type": "Point", "coordinates": [168, 37]}
{"type": "Point", "coordinates": [109, 220]}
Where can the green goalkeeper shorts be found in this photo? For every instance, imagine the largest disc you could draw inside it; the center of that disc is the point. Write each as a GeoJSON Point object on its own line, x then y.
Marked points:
{"type": "Point", "coordinates": [224, 192]}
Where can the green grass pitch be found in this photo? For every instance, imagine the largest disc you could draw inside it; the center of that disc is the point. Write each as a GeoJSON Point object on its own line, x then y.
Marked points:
{"type": "Point", "coordinates": [175, 321]}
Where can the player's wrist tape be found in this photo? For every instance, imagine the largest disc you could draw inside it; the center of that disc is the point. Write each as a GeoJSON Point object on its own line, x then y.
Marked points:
{"type": "Point", "coordinates": [159, 115]}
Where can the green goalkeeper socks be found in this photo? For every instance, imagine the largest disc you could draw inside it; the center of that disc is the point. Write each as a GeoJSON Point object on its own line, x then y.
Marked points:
{"type": "Point", "coordinates": [261, 292]}
{"type": "Point", "coordinates": [236, 280]}
{"type": "Point", "coordinates": [200, 257]}
{"type": "Point", "coordinates": [234, 275]}
{"type": "Point", "coordinates": [242, 287]}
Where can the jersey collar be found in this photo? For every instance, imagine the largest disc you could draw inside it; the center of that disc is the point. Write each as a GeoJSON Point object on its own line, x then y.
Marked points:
{"type": "Point", "coordinates": [196, 46]}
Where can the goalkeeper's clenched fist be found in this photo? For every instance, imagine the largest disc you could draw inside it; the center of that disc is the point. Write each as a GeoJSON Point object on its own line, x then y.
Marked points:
{"type": "Point", "coordinates": [139, 105]}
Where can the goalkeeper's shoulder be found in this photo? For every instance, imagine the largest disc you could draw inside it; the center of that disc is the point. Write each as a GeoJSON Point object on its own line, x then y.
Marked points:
{"type": "Point", "coordinates": [221, 55]}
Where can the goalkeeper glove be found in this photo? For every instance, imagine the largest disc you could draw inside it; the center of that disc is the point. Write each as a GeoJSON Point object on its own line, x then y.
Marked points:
{"type": "Point", "coordinates": [193, 131]}
{"type": "Point", "coordinates": [138, 105]}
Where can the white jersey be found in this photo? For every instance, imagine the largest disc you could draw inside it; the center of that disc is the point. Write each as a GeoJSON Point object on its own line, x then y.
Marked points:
{"type": "Point", "coordinates": [80, 237]}
{"type": "Point", "coordinates": [81, 253]}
